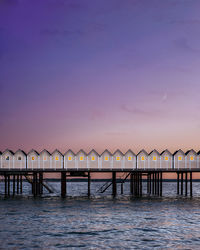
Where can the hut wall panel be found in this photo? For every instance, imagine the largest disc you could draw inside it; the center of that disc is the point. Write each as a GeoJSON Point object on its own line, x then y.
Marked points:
{"type": "Point", "coordinates": [191, 163]}
{"type": "Point", "coordinates": [106, 164]}
{"type": "Point", "coordinates": [57, 164]}
{"type": "Point", "coordinates": [142, 164]}
{"type": "Point", "coordinates": [21, 164]}
{"type": "Point", "coordinates": [81, 163]}
{"type": "Point", "coordinates": [118, 164]}
{"type": "Point", "coordinates": [166, 164]}
{"type": "Point", "coordinates": [7, 163]}
{"type": "Point", "coordinates": [68, 163]}
{"type": "Point", "coordinates": [93, 164]}
{"type": "Point", "coordinates": [179, 164]}
{"type": "Point", "coordinates": [130, 164]}
{"type": "Point", "coordinates": [45, 164]}
{"type": "Point", "coordinates": [154, 164]}
{"type": "Point", "coordinates": [32, 164]}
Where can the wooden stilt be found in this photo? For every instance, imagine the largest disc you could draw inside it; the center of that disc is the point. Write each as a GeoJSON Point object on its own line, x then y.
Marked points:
{"type": "Point", "coordinates": [63, 184]}
{"type": "Point", "coordinates": [40, 183]}
{"type": "Point", "coordinates": [17, 183]}
{"type": "Point", "coordinates": [161, 183]}
{"type": "Point", "coordinates": [150, 183]}
{"type": "Point", "coordinates": [177, 182]}
{"type": "Point", "coordinates": [131, 183]}
{"type": "Point", "coordinates": [114, 185]}
{"type": "Point", "coordinates": [122, 188]}
{"type": "Point", "coordinates": [8, 176]}
{"type": "Point", "coordinates": [13, 185]}
{"type": "Point", "coordinates": [153, 184]}
{"type": "Point", "coordinates": [186, 183]}
{"type": "Point", "coordinates": [6, 184]}
{"type": "Point", "coordinates": [191, 184]}
{"type": "Point", "coordinates": [181, 183]}
{"type": "Point", "coordinates": [140, 184]}
{"type": "Point", "coordinates": [21, 182]}
{"type": "Point", "coordinates": [89, 180]}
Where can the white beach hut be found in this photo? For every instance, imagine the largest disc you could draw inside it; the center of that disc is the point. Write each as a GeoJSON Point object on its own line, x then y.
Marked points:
{"type": "Point", "coordinates": [69, 160]}
{"type": "Point", "coordinates": [118, 159]}
{"type": "Point", "coordinates": [20, 159]}
{"type": "Point", "coordinates": [130, 160]}
{"type": "Point", "coordinates": [142, 160]}
{"type": "Point", "coordinates": [45, 159]}
{"type": "Point", "coordinates": [154, 161]}
{"type": "Point", "coordinates": [191, 159]}
{"type": "Point", "coordinates": [7, 159]}
{"type": "Point", "coordinates": [93, 159]}
{"type": "Point", "coordinates": [166, 159]}
{"type": "Point", "coordinates": [33, 159]}
{"type": "Point", "coordinates": [179, 159]}
{"type": "Point", "coordinates": [106, 160]}
{"type": "Point", "coordinates": [82, 159]}
{"type": "Point", "coordinates": [57, 160]}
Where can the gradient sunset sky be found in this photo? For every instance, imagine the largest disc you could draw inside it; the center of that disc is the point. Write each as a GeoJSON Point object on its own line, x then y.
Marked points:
{"type": "Point", "coordinates": [100, 74]}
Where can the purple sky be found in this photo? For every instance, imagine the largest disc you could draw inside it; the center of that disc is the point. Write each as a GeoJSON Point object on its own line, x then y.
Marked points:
{"type": "Point", "coordinates": [99, 74]}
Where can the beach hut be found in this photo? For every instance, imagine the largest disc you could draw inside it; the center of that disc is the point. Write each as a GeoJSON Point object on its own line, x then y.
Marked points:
{"type": "Point", "coordinates": [129, 160]}
{"type": "Point", "coordinates": [118, 159]}
{"type": "Point", "coordinates": [81, 159]}
{"type": "Point", "coordinates": [20, 159]}
{"type": "Point", "coordinates": [191, 159]}
{"type": "Point", "coordinates": [57, 160]}
{"type": "Point", "coordinates": [33, 159]}
{"type": "Point", "coordinates": [45, 159]}
{"type": "Point", "coordinates": [93, 159]}
{"type": "Point", "coordinates": [154, 160]}
{"type": "Point", "coordinates": [142, 160]}
{"type": "Point", "coordinates": [179, 159]}
{"type": "Point", "coordinates": [7, 159]}
{"type": "Point", "coordinates": [106, 160]}
{"type": "Point", "coordinates": [69, 160]}
{"type": "Point", "coordinates": [166, 159]}
{"type": "Point", "coordinates": [198, 159]}
{"type": "Point", "coordinates": [1, 159]}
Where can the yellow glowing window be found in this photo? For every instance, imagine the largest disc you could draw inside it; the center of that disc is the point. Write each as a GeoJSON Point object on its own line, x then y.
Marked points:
{"type": "Point", "coordinates": [192, 158]}
{"type": "Point", "coordinates": [69, 158]}
{"type": "Point", "coordinates": [118, 158]}
{"type": "Point", "coordinates": [166, 158]}
{"type": "Point", "coordinates": [56, 158]}
{"type": "Point", "coordinates": [154, 158]}
{"type": "Point", "coordinates": [33, 158]}
{"type": "Point", "coordinates": [106, 158]}
{"type": "Point", "coordinates": [81, 158]}
{"type": "Point", "coordinates": [180, 158]}
{"type": "Point", "coordinates": [129, 158]}
{"type": "Point", "coordinates": [7, 158]}
{"type": "Point", "coordinates": [93, 158]}
{"type": "Point", "coordinates": [142, 158]}
{"type": "Point", "coordinates": [45, 158]}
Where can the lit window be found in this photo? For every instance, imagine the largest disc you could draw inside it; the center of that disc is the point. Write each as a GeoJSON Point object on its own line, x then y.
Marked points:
{"type": "Point", "coordinates": [106, 158]}
{"type": "Point", "coordinates": [32, 158]}
{"type": "Point", "coordinates": [81, 158]}
{"type": "Point", "coordinates": [166, 158]}
{"type": "Point", "coordinates": [180, 158]}
{"type": "Point", "coordinates": [69, 158]}
{"type": "Point", "coordinates": [56, 158]}
{"type": "Point", "coordinates": [142, 158]}
{"type": "Point", "coordinates": [154, 158]}
{"type": "Point", "coordinates": [19, 158]}
{"type": "Point", "coordinates": [7, 158]}
{"type": "Point", "coordinates": [118, 158]}
{"type": "Point", "coordinates": [192, 158]}
{"type": "Point", "coordinates": [129, 158]}
{"type": "Point", "coordinates": [93, 158]}
{"type": "Point", "coordinates": [45, 158]}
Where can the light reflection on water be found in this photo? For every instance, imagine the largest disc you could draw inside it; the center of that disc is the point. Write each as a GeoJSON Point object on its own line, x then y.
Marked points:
{"type": "Point", "coordinates": [101, 222]}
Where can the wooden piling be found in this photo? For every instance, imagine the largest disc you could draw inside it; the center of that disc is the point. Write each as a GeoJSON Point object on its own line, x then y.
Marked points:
{"type": "Point", "coordinates": [13, 185]}
{"type": "Point", "coordinates": [89, 180]}
{"type": "Point", "coordinates": [191, 184]}
{"type": "Point", "coordinates": [21, 182]}
{"type": "Point", "coordinates": [131, 183]}
{"type": "Point", "coordinates": [181, 183]}
{"type": "Point", "coordinates": [114, 185]}
{"type": "Point", "coordinates": [6, 184]}
{"type": "Point", "coordinates": [8, 176]}
{"type": "Point", "coordinates": [17, 183]}
{"type": "Point", "coordinates": [140, 184]}
{"type": "Point", "coordinates": [177, 182]}
{"type": "Point", "coordinates": [63, 184]}
{"type": "Point", "coordinates": [161, 177]}
{"type": "Point", "coordinates": [150, 183]}
{"type": "Point", "coordinates": [186, 183]}
{"type": "Point", "coordinates": [41, 183]}
{"type": "Point", "coordinates": [153, 183]}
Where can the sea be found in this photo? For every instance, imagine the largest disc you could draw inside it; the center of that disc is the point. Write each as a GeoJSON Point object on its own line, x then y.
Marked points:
{"type": "Point", "coordinates": [101, 221]}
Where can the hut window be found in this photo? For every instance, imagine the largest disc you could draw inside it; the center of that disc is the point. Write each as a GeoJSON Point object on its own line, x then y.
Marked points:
{"type": "Point", "coordinates": [129, 158]}
{"type": "Point", "coordinates": [7, 158]}
{"type": "Point", "coordinates": [192, 158]}
{"type": "Point", "coordinates": [56, 158]}
{"type": "Point", "coordinates": [45, 158]}
{"type": "Point", "coordinates": [19, 158]}
{"type": "Point", "coordinates": [81, 158]}
{"type": "Point", "coordinates": [142, 158]}
{"type": "Point", "coordinates": [166, 158]}
{"type": "Point", "coordinates": [154, 158]}
{"type": "Point", "coordinates": [69, 158]}
{"type": "Point", "coordinates": [180, 158]}
{"type": "Point", "coordinates": [118, 158]}
{"type": "Point", "coordinates": [32, 158]}
{"type": "Point", "coordinates": [93, 158]}
{"type": "Point", "coordinates": [106, 158]}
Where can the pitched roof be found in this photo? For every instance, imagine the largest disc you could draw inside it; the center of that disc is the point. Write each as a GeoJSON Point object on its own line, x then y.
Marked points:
{"type": "Point", "coordinates": [106, 151]}
{"type": "Point", "coordinates": [69, 151]}
{"type": "Point", "coordinates": [118, 151]}
{"type": "Point", "coordinates": [8, 150]}
{"type": "Point", "coordinates": [81, 151]}
{"type": "Point", "coordinates": [22, 151]}
{"type": "Point", "coordinates": [154, 151]}
{"type": "Point", "coordinates": [180, 150]}
{"type": "Point", "coordinates": [34, 151]}
{"type": "Point", "coordinates": [130, 151]}
{"type": "Point", "coordinates": [45, 151]}
{"type": "Point", "coordinates": [94, 152]}
{"type": "Point", "coordinates": [56, 150]}
{"type": "Point", "coordinates": [191, 150]}
{"type": "Point", "coordinates": [167, 151]}
{"type": "Point", "coordinates": [143, 151]}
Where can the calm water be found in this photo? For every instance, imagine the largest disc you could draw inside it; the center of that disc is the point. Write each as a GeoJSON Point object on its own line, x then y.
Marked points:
{"type": "Point", "coordinates": [101, 222]}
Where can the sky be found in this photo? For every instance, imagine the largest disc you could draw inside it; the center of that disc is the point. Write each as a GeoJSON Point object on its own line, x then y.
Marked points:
{"type": "Point", "coordinates": [99, 74]}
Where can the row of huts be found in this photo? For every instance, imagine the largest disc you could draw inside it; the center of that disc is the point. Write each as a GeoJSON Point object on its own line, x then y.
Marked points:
{"type": "Point", "coordinates": [94, 160]}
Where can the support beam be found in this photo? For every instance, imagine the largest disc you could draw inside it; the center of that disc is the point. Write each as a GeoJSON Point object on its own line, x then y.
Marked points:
{"type": "Point", "coordinates": [13, 185]}
{"type": "Point", "coordinates": [21, 183]}
{"type": "Point", "coordinates": [89, 181]}
{"type": "Point", "coordinates": [131, 183]}
{"type": "Point", "coordinates": [8, 176]}
{"type": "Point", "coordinates": [140, 184]}
{"type": "Point", "coordinates": [181, 183]}
{"type": "Point", "coordinates": [150, 183]}
{"type": "Point", "coordinates": [161, 178]}
{"type": "Point", "coordinates": [63, 184]}
{"type": "Point", "coordinates": [41, 183]}
{"type": "Point", "coordinates": [186, 183]}
{"type": "Point", "coordinates": [17, 183]}
{"type": "Point", "coordinates": [114, 184]}
{"type": "Point", "coordinates": [177, 182]}
{"type": "Point", "coordinates": [6, 184]}
{"type": "Point", "coordinates": [191, 184]}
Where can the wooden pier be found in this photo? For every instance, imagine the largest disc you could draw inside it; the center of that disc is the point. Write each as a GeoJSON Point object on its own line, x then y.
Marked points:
{"type": "Point", "coordinates": [149, 180]}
